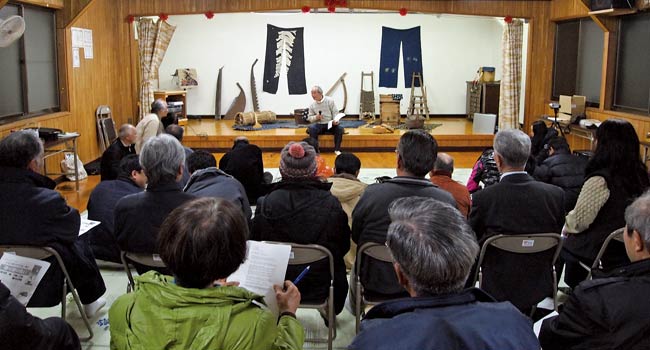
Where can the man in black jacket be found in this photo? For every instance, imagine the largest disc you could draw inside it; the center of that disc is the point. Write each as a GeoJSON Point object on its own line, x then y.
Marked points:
{"type": "Point", "coordinates": [416, 153]}
{"type": "Point", "coordinates": [562, 169]}
{"type": "Point", "coordinates": [610, 312]}
{"type": "Point", "coordinates": [138, 216]}
{"type": "Point", "coordinates": [516, 205]}
{"type": "Point", "coordinates": [244, 162]}
{"type": "Point", "coordinates": [32, 213]}
{"type": "Point", "coordinates": [120, 148]}
{"type": "Point", "coordinates": [101, 207]}
{"type": "Point", "coordinates": [20, 330]}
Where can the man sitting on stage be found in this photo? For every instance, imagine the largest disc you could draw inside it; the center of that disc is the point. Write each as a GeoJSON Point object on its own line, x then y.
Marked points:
{"type": "Point", "coordinates": [321, 112]}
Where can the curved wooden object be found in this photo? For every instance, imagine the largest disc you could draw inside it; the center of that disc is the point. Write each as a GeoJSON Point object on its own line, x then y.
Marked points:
{"type": "Point", "coordinates": [345, 91]}
{"type": "Point", "coordinates": [237, 105]}
{"type": "Point", "coordinates": [217, 101]}
{"type": "Point", "coordinates": [256, 104]}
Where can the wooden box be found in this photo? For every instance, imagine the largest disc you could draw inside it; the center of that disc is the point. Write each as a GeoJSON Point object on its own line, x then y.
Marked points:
{"type": "Point", "coordinates": [389, 110]}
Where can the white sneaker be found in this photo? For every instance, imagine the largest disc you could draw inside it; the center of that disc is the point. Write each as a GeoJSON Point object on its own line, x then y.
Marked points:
{"type": "Point", "coordinates": [337, 152]}
{"type": "Point", "coordinates": [92, 308]}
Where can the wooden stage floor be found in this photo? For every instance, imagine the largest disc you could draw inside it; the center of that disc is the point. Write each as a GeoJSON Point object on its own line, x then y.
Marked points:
{"type": "Point", "coordinates": [455, 134]}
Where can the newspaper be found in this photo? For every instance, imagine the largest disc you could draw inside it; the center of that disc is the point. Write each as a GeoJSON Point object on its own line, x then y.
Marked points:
{"type": "Point", "coordinates": [265, 265]}
{"type": "Point", "coordinates": [21, 275]}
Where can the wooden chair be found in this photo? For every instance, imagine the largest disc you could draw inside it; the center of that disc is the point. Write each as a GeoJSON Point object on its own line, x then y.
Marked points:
{"type": "Point", "coordinates": [42, 253]}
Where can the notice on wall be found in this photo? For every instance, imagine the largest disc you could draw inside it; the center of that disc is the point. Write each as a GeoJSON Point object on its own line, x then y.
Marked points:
{"type": "Point", "coordinates": [77, 37]}
{"type": "Point", "coordinates": [76, 60]}
{"type": "Point", "coordinates": [88, 43]}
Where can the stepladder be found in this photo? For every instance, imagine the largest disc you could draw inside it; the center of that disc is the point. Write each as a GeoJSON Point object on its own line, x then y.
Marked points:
{"type": "Point", "coordinates": [418, 106]}
{"type": "Point", "coordinates": [367, 97]}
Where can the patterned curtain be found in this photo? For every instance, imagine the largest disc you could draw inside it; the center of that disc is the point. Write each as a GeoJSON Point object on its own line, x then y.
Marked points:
{"type": "Point", "coordinates": [511, 78]}
{"type": "Point", "coordinates": [153, 41]}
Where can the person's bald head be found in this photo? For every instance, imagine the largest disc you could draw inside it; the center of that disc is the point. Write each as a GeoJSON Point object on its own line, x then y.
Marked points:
{"type": "Point", "coordinates": [127, 134]}
{"type": "Point", "coordinates": [444, 162]}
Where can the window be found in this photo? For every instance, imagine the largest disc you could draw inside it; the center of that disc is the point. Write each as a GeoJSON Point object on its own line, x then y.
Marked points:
{"type": "Point", "coordinates": [29, 86]}
{"type": "Point", "coordinates": [577, 68]}
{"type": "Point", "coordinates": [632, 89]}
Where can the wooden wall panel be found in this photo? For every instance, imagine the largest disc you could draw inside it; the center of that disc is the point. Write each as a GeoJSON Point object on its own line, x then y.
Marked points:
{"type": "Point", "coordinates": [56, 4]}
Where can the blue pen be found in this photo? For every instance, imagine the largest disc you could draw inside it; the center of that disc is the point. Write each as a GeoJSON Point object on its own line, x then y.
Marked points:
{"type": "Point", "coordinates": [301, 275]}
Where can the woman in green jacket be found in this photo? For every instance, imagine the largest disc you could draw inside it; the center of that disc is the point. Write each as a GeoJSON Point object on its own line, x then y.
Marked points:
{"type": "Point", "coordinates": [202, 242]}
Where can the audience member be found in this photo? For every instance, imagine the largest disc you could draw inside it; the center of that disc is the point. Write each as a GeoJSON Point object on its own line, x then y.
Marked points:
{"type": "Point", "coordinates": [101, 207]}
{"type": "Point", "coordinates": [203, 242]}
{"type": "Point", "coordinates": [120, 148]}
{"type": "Point", "coordinates": [177, 132]}
{"type": "Point", "coordinates": [440, 175]}
{"type": "Point", "coordinates": [244, 162]}
{"type": "Point", "coordinates": [34, 214]}
{"type": "Point", "coordinates": [516, 205]}
{"type": "Point", "coordinates": [321, 112]}
{"type": "Point", "coordinates": [138, 216]}
{"type": "Point", "coordinates": [324, 171]}
{"type": "Point", "coordinates": [562, 169]}
{"type": "Point", "coordinates": [150, 125]}
{"type": "Point", "coordinates": [19, 330]}
{"type": "Point", "coordinates": [208, 181]}
{"type": "Point", "coordinates": [614, 176]}
{"type": "Point", "coordinates": [301, 209]}
{"type": "Point", "coordinates": [541, 134]}
{"type": "Point", "coordinates": [610, 312]}
{"type": "Point", "coordinates": [347, 189]}
{"type": "Point", "coordinates": [416, 152]}
{"type": "Point", "coordinates": [433, 250]}
{"type": "Point", "coordinates": [484, 171]}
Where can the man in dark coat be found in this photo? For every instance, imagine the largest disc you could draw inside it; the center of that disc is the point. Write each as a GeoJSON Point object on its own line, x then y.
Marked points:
{"type": "Point", "coordinates": [101, 207]}
{"type": "Point", "coordinates": [416, 153]}
{"type": "Point", "coordinates": [19, 330]}
{"type": "Point", "coordinates": [208, 181]}
{"type": "Point", "coordinates": [516, 205]}
{"type": "Point", "coordinates": [138, 216]}
{"type": "Point", "coordinates": [120, 148]}
{"type": "Point", "coordinates": [433, 250]}
{"type": "Point", "coordinates": [611, 311]}
{"type": "Point", "coordinates": [562, 169]}
{"type": "Point", "coordinates": [244, 162]}
{"type": "Point", "coordinates": [32, 213]}
{"type": "Point", "coordinates": [301, 209]}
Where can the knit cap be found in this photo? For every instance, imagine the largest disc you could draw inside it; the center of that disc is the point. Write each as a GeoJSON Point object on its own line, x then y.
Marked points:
{"type": "Point", "coordinates": [298, 160]}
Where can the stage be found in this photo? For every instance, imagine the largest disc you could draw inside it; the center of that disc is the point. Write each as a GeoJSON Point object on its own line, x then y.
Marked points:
{"type": "Point", "coordinates": [455, 134]}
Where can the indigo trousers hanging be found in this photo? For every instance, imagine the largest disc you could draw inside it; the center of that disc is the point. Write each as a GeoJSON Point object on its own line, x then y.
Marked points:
{"type": "Point", "coordinates": [287, 43]}
{"type": "Point", "coordinates": [390, 49]}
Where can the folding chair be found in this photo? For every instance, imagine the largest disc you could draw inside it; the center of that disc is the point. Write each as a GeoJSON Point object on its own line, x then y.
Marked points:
{"type": "Point", "coordinates": [302, 254]}
{"type": "Point", "coordinates": [151, 260]}
{"type": "Point", "coordinates": [368, 250]}
{"type": "Point", "coordinates": [617, 235]}
{"type": "Point", "coordinates": [523, 244]}
{"type": "Point", "coordinates": [105, 126]}
{"type": "Point", "coordinates": [42, 253]}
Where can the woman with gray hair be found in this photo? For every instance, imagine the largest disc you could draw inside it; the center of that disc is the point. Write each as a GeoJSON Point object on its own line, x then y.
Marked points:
{"type": "Point", "coordinates": [138, 216]}
{"type": "Point", "coordinates": [433, 249]}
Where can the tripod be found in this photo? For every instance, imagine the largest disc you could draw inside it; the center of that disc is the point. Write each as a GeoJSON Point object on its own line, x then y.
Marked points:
{"type": "Point", "coordinates": [555, 124]}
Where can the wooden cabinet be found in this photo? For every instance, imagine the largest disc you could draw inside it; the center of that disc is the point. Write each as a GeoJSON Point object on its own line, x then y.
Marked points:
{"type": "Point", "coordinates": [389, 109]}
{"type": "Point", "coordinates": [482, 98]}
{"type": "Point", "coordinates": [173, 96]}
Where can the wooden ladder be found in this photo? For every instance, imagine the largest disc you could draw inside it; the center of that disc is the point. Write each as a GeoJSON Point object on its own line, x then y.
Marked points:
{"type": "Point", "coordinates": [418, 106]}
{"type": "Point", "coordinates": [367, 97]}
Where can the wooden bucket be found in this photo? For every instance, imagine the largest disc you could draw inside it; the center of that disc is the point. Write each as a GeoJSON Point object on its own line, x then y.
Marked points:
{"type": "Point", "coordinates": [245, 118]}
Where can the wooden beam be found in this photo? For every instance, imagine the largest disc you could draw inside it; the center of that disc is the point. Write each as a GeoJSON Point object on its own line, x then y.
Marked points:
{"type": "Point", "coordinates": [72, 10]}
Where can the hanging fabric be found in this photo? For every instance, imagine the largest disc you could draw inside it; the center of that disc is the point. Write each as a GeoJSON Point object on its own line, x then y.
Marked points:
{"type": "Point", "coordinates": [391, 41]}
{"type": "Point", "coordinates": [285, 45]}
{"type": "Point", "coordinates": [511, 78]}
{"type": "Point", "coordinates": [153, 41]}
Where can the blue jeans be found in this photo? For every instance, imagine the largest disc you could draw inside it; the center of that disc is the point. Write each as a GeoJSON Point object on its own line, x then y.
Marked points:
{"type": "Point", "coordinates": [389, 60]}
{"type": "Point", "coordinates": [316, 129]}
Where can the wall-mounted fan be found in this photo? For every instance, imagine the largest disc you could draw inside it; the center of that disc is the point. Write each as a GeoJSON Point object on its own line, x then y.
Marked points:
{"type": "Point", "coordinates": [11, 29]}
